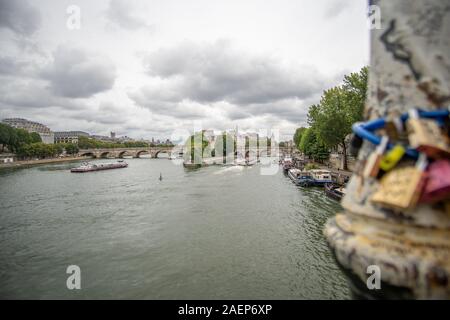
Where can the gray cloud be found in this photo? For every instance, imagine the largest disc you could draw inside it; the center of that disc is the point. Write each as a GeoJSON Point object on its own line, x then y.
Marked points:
{"type": "Point", "coordinates": [19, 16]}
{"type": "Point", "coordinates": [121, 12]}
{"type": "Point", "coordinates": [219, 72]}
{"type": "Point", "coordinates": [78, 74]}
{"type": "Point", "coordinates": [9, 65]}
{"type": "Point", "coordinates": [192, 81]}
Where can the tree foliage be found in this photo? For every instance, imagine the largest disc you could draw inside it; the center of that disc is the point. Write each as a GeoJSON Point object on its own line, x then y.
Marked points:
{"type": "Point", "coordinates": [311, 146]}
{"type": "Point", "coordinates": [14, 138]}
{"type": "Point", "coordinates": [332, 118]}
{"type": "Point", "coordinates": [71, 148]}
{"type": "Point", "coordinates": [38, 150]}
{"type": "Point", "coordinates": [298, 136]}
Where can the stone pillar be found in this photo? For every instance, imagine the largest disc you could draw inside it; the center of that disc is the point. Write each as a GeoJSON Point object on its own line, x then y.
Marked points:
{"type": "Point", "coordinates": [409, 67]}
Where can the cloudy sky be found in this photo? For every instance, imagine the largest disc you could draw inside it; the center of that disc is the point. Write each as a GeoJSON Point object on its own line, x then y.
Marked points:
{"type": "Point", "coordinates": [146, 68]}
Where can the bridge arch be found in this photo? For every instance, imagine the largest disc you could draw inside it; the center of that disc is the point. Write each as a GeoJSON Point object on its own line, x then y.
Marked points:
{"type": "Point", "coordinates": [104, 154]}
{"type": "Point", "coordinates": [87, 154]}
{"type": "Point", "coordinates": [140, 152]}
{"type": "Point", "coordinates": [160, 152]}
{"type": "Point", "coordinates": [124, 153]}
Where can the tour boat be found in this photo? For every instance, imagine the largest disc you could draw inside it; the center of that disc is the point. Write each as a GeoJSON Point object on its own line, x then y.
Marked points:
{"type": "Point", "coordinates": [89, 167]}
{"type": "Point", "coordinates": [334, 191]}
{"type": "Point", "coordinates": [301, 178]}
{"type": "Point", "coordinates": [321, 176]}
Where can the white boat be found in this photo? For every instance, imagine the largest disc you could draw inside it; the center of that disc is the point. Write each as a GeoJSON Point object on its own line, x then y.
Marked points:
{"type": "Point", "coordinates": [321, 176]}
{"type": "Point", "coordinates": [301, 178]}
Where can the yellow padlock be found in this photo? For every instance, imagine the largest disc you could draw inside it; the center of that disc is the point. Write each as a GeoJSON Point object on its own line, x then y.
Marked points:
{"type": "Point", "coordinates": [389, 160]}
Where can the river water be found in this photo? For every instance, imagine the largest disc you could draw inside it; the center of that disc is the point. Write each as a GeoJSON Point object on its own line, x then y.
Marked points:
{"type": "Point", "coordinates": [212, 233]}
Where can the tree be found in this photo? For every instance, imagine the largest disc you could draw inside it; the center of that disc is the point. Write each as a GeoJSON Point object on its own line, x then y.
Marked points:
{"type": "Point", "coordinates": [72, 148]}
{"type": "Point", "coordinates": [338, 109]}
{"type": "Point", "coordinates": [23, 137]}
{"type": "Point", "coordinates": [298, 136]}
{"type": "Point", "coordinates": [35, 137]}
{"type": "Point", "coordinates": [311, 146]}
{"type": "Point", "coordinates": [4, 135]}
{"type": "Point", "coordinates": [355, 87]}
{"type": "Point", "coordinates": [12, 139]}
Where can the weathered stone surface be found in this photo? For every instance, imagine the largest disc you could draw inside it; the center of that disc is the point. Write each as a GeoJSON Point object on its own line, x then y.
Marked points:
{"type": "Point", "coordinates": [409, 67]}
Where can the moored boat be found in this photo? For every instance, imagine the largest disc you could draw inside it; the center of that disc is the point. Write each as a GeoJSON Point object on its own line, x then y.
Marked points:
{"type": "Point", "coordinates": [301, 178]}
{"type": "Point", "coordinates": [334, 191]}
{"type": "Point", "coordinates": [321, 176]}
{"type": "Point", "coordinates": [89, 167]}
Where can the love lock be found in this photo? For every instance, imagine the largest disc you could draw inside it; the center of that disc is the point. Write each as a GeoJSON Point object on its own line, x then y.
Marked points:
{"type": "Point", "coordinates": [437, 186]}
{"type": "Point", "coordinates": [401, 188]}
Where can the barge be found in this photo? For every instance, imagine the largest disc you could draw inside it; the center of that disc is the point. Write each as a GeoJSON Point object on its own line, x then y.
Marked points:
{"type": "Point", "coordinates": [88, 167]}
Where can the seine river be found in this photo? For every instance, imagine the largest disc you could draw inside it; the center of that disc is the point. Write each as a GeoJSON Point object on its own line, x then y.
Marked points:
{"type": "Point", "coordinates": [212, 233]}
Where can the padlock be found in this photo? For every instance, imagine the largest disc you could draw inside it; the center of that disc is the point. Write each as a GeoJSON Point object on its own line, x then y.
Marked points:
{"type": "Point", "coordinates": [394, 128]}
{"type": "Point", "coordinates": [401, 188]}
{"type": "Point", "coordinates": [437, 186]}
{"type": "Point", "coordinates": [390, 159]}
{"type": "Point", "coordinates": [426, 136]}
{"type": "Point", "coordinates": [372, 166]}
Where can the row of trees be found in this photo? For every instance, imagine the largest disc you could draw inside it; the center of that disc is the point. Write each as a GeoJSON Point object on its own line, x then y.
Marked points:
{"type": "Point", "coordinates": [90, 143]}
{"type": "Point", "coordinates": [43, 150]}
{"type": "Point", "coordinates": [13, 138]}
{"type": "Point", "coordinates": [225, 144]}
{"type": "Point", "coordinates": [29, 144]}
{"type": "Point", "coordinates": [330, 121]}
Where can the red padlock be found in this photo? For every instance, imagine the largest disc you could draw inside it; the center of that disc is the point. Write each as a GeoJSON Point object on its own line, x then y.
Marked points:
{"type": "Point", "coordinates": [437, 186]}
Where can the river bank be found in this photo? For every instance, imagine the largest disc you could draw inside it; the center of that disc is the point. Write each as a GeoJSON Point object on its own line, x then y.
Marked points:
{"type": "Point", "coordinates": [28, 163]}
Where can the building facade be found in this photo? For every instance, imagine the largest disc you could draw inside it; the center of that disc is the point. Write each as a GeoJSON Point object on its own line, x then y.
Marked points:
{"type": "Point", "coordinates": [69, 136]}
{"type": "Point", "coordinates": [44, 132]}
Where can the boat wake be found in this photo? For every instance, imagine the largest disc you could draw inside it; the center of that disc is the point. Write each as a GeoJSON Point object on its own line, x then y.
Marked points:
{"type": "Point", "coordinates": [230, 170]}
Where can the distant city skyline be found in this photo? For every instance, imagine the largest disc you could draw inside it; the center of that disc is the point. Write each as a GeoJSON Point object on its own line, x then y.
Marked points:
{"type": "Point", "coordinates": [67, 136]}
{"type": "Point", "coordinates": [144, 69]}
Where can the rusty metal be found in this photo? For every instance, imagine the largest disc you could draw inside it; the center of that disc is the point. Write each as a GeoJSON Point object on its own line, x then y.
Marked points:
{"type": "Point", "coordinates": [409, 67]}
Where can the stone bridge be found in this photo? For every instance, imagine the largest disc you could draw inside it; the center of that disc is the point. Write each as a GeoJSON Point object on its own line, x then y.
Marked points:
{"type": "Point", "coordinates": [133, 152]}
{"type": "Point", "coordinates": [155, 151]}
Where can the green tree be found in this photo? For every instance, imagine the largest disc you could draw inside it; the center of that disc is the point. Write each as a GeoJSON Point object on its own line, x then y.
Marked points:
{"type": "Point", "coordinates": [307, 142]}
{"type": "Point", "coordinates": [298, 136]}
{"type": "Point", "coordinates": [355, 87]}
{"type": "Point", "coordinates": [311, 146]}
{"type": "Point", "coordinates": [338, 109]}
{"type": "Point", "coordinates": [71, 148]}
{"type": "Point", "coordinates": [23, 137]}
{"type": "Point", "coordinates": [4, 135]}
{"type": "Point", "coordinates": [35, 137]}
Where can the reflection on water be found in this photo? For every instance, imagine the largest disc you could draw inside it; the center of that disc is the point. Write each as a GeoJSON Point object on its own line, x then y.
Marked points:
{"type": "Point", "coordinates": [217, 232]}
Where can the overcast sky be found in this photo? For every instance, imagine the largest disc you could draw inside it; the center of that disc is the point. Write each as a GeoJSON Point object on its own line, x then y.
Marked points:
{"type": "Point", "coordinates": [145, 68]}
